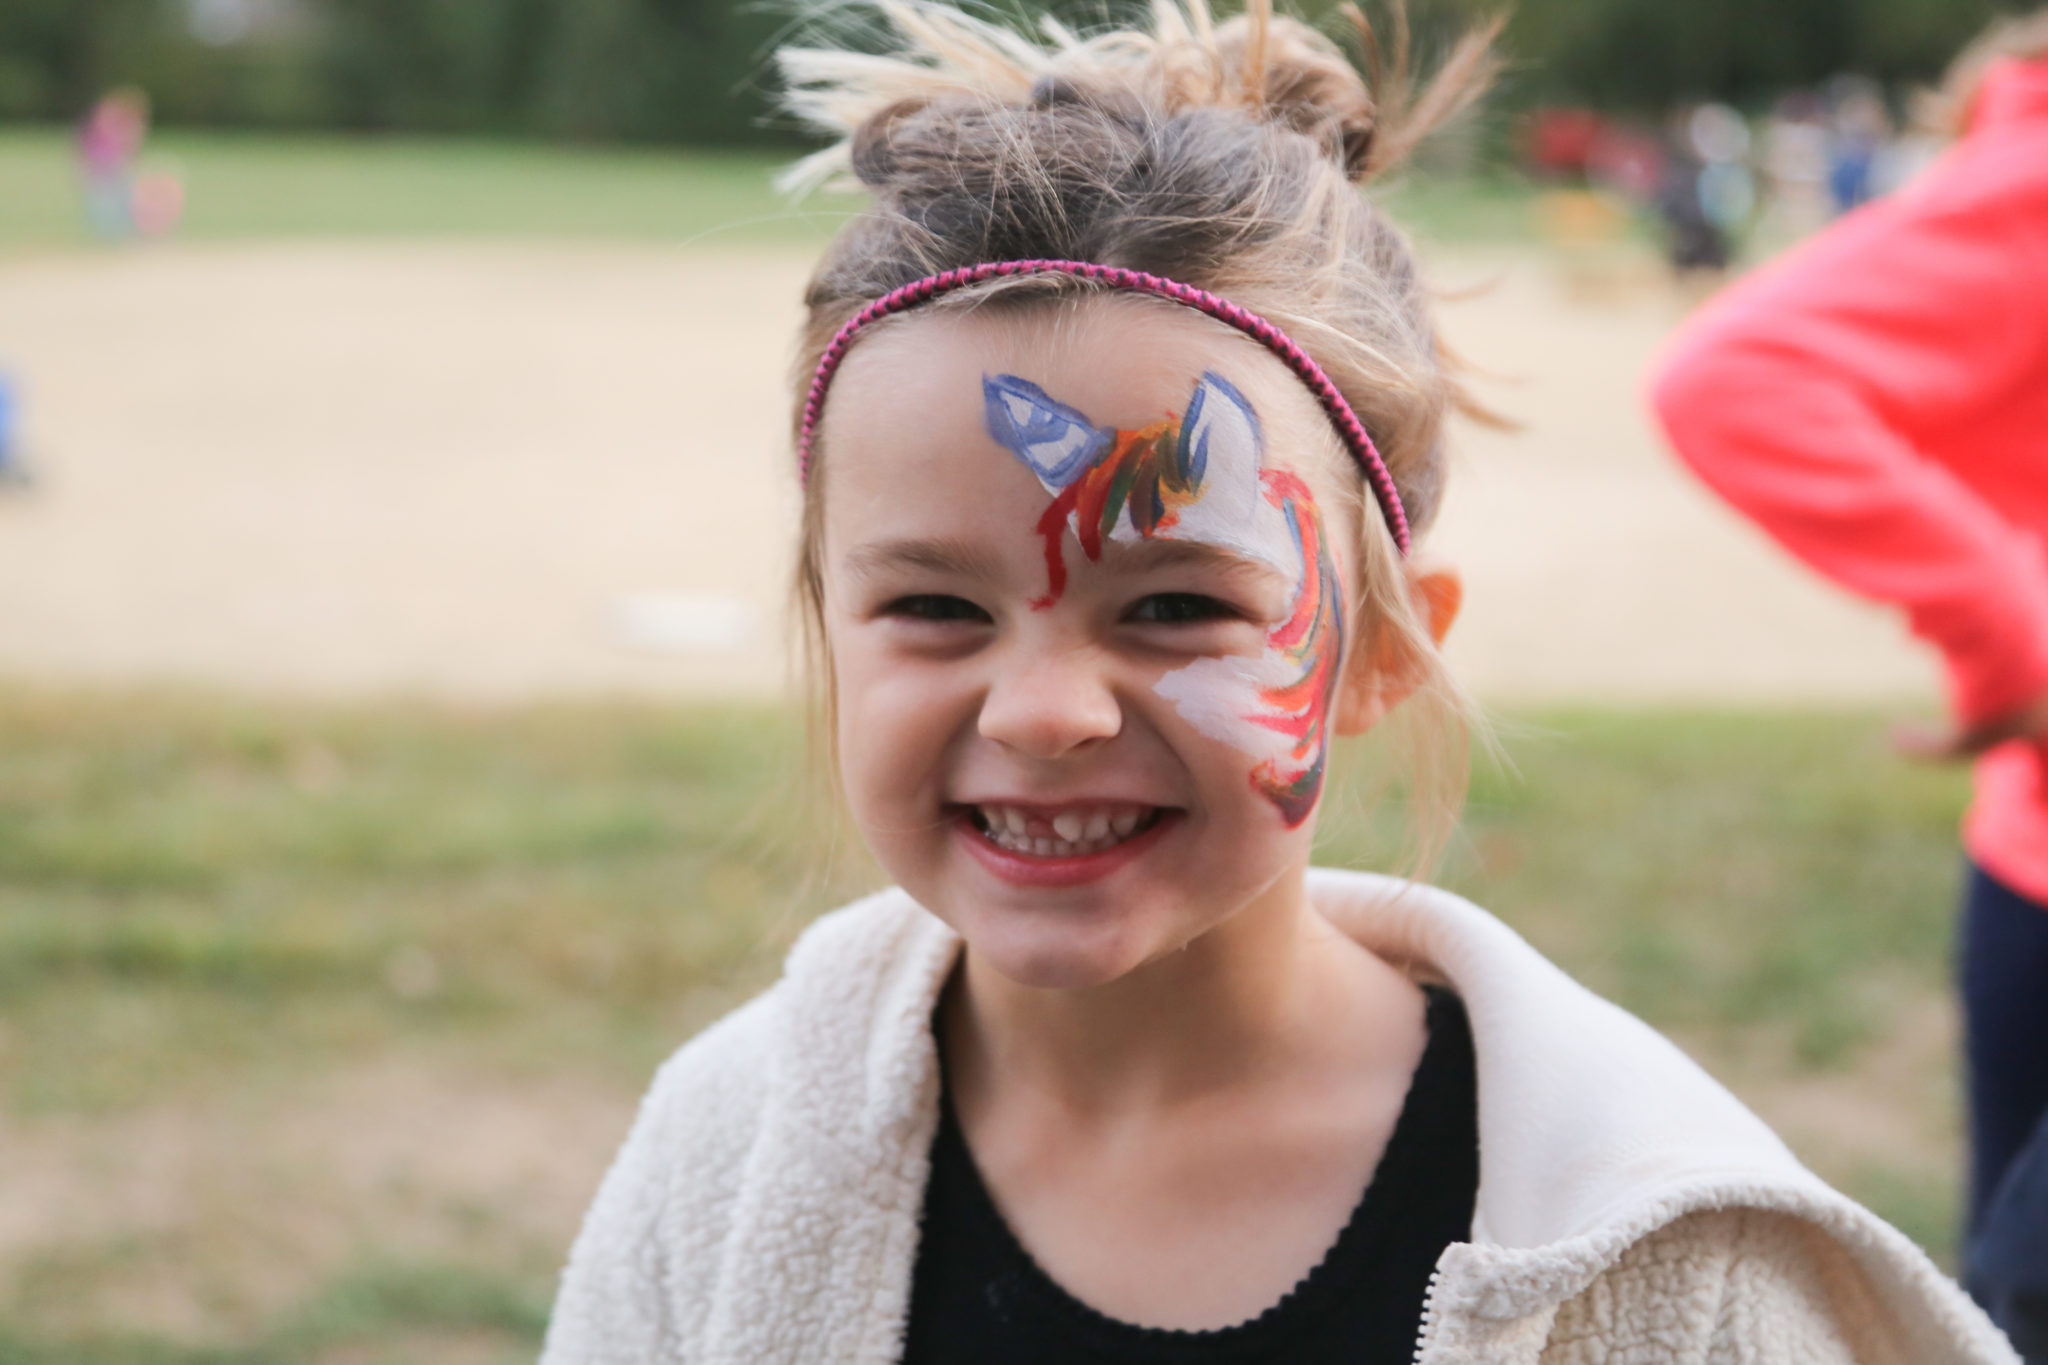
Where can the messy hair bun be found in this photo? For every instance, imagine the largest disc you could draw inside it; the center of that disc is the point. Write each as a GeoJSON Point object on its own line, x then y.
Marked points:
{"type": "Point", "coordinates": [1228, 156]}
{"type": "Point", "coordinates": [1223, 155]}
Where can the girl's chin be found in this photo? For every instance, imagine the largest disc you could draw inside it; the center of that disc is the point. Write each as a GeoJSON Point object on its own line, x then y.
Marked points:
{"type": "Point", "coordinates": [1029, 960]}
{"type": "Point", "coordinates": [1078, 946]}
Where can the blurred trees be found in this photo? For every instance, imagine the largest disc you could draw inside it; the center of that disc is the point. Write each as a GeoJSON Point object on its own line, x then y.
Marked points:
{"type": "Point", "coordinates": [641, 70]}
{"type": "Point", "coordinates": [52, 50]}
{"type": "Point", "coordinates": [1645, 55]}
{"type": "Point", "coordinates": [691, 70]}
{"type": "Point", "coordinates": [637, 70]}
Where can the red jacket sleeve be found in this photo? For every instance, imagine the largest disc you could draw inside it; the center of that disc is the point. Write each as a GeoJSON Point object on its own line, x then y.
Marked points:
{"type": "Point", "coordinates": [1813, 395]}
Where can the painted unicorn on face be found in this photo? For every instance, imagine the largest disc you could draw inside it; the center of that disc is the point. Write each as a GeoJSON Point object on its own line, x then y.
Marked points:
{"type": "Point", "coordinates": [1199, 477]}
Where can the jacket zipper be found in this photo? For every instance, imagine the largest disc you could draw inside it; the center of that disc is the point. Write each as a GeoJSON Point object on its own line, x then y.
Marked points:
{"type": "Point", "coordinates": [1428, 1327]}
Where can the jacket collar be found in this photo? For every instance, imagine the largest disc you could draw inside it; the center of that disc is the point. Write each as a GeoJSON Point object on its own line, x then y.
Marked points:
{"type": "Point", "coordinates": [1585, 1112]}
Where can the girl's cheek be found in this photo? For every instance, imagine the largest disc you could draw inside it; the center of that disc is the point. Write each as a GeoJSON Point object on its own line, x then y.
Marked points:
{"type": "Point", "coordinates": [874, 700]}
{"type": "Point", "coordinates": [901, 706]}
{"type": "Point", "coordinates": [1275, 707]}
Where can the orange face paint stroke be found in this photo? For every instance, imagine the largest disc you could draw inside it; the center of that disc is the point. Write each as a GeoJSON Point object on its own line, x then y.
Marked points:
{"type": "Point", "coordinates": [1311, 639]}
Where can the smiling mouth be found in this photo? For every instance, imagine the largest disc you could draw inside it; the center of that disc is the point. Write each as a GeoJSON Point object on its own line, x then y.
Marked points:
{"type": "Point", "coordinates": [1072, 832]}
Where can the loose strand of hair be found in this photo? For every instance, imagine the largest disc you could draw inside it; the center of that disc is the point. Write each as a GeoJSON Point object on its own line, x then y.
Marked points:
{"type": "Point", "coordinates": [1258, 15]}
{"type": "Point", "coordinates": [1409, 115]}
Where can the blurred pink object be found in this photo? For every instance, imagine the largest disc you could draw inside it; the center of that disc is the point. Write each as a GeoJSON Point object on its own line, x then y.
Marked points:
{"type": "Point", "coordinates": [157, 203]}
{"type": "Point", "coordinates": [113, 132]}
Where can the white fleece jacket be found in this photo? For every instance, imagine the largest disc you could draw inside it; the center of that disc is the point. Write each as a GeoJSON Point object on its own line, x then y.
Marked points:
{"type": "Point", "coordinates": [764, 1209]}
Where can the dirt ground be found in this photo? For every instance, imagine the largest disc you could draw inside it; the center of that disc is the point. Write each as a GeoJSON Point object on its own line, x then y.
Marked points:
{"type": "Point", "coordinates": [168, 1218]}
{"type": "Point", "coordinates": [508, 471]}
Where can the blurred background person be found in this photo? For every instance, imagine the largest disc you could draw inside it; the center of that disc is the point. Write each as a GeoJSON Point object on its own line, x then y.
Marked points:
{"type": "Point", "coordinates": [109, 140]}
{"type": "Point", "coordinates": [1727, 189]}
{"type": "Point", "coordinates": [1877, 401]}
{"type": "Point", "coordinates": [1706, 190]}
{"type": "Point", "coordinates": [1862, 128]}
{"type": "Point", "coordinates": [13, 470]}
{"type": "Point", "coordinates": [1795, 164]}
{"type": "Point", "coordinates": [122, 199]}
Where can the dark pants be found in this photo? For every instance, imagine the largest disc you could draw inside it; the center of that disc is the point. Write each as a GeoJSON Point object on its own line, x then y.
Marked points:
{"type": "Point", "coordinates": [2005, 1014]}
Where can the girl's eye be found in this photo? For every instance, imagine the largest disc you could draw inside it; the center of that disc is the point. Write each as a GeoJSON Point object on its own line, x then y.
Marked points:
{"type": "Point", "coordinates": [1180, 608]}
{"type": "Point", "coordinates": [932, 606]}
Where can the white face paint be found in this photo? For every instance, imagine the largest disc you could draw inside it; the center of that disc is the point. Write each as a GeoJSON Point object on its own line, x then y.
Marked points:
{"type": "Point", "coordinates": [1218, 697]}
{"type": "Point", "coordinates": [1223, 441]}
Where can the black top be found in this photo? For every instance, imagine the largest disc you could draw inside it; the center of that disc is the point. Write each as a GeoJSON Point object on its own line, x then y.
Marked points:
{"type": "Point", "coordinates": [978, 1297]}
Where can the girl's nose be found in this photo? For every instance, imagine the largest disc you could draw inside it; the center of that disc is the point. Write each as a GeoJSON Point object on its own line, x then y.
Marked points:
{"type": "Point", "coordinates": [1051, 706]}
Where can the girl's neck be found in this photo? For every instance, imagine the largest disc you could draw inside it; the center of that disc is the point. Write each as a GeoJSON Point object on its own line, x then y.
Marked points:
{"type": "Point", "coordinates": [1271, 988]}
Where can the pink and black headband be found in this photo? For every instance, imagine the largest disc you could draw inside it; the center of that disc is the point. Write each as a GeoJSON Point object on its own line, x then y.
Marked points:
{"type": "Point", "coordinates": [1243, 319]}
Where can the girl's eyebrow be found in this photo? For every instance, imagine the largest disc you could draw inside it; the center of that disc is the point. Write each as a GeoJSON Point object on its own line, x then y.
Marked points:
{"type": "Point", "coordinates": [940, 555]}
{"type": "Point", "coordinates": [1162, 553]}
{"type": "Point", "coordinates": [956, 558]}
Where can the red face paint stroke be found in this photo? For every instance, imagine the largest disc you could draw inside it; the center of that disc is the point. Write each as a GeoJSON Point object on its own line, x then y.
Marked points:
{"type": "Point", "coordinates": [1312, 638]}
{"type": "Point", "coordinates": [1140, 474]}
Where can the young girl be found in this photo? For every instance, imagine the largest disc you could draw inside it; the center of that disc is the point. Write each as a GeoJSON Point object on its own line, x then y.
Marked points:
{"type": "Point", "coordinates": [1120, 419]}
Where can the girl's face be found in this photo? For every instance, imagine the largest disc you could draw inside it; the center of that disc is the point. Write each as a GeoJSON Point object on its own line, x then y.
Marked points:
{"type": "Point", "coordinates": [1087, 619]}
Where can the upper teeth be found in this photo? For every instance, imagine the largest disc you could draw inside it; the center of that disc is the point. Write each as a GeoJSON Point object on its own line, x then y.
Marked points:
{"type": "Point", "coordinates": [1075, 830]}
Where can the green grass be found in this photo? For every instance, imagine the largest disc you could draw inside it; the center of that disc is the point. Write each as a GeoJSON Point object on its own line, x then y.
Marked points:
{"type": "Point", "coordinates": [201, 898]}
{"type": "Point", "coordinates": [258, 186]}
{"type": "Point", "coordinates": [1463, 210]}
{"type": "Point", "coordinates": [378, 1313]}
{"type": "Point", "coordinates": [1723, 871]}
{"type": "Point", "coordinates": [250, 186]}
{"type": "Point", "coordinates": [172, 871]}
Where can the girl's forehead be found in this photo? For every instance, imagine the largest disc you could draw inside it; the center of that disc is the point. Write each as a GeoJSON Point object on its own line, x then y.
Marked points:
{"type": "Point", "coordinates": [1124, 362]}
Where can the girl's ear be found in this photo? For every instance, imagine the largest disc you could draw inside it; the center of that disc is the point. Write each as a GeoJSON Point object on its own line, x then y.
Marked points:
{"type": "Point", "coordinates": [1379, 679]}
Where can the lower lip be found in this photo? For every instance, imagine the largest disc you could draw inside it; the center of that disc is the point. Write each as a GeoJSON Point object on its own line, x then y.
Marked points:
{"type": "Point", "coordinates": [1024, 869]}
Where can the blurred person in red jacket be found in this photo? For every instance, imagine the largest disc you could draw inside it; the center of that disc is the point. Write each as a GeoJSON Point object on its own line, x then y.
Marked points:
{"type": "Point", "coordinates": [1877, 400]}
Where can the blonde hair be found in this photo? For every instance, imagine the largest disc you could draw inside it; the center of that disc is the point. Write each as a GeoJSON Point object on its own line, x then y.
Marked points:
{"type": "Point", "coordinates": [1226, 155]}
{"type": "Point", "coordinates": [2022, 37]}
